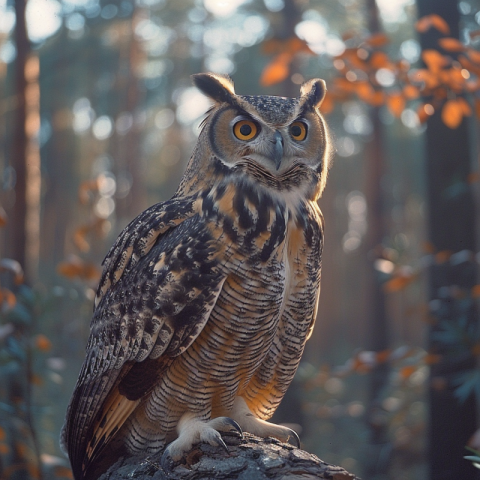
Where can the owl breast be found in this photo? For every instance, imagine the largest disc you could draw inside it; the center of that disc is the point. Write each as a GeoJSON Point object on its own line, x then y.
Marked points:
{"type": "Point", "coordinates": [253, 341]}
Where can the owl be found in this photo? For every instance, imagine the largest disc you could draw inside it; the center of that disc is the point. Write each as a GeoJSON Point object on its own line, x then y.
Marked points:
{"type": "Point", "coordinates": [206, 300]}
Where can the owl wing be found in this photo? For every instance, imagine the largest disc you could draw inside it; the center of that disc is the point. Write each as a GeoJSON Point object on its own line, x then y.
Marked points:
{"type": "Point", "coordinates": [160, 282]}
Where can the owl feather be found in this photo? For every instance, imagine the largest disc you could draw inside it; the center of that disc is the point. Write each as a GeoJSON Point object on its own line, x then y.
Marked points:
{"type": "Point", "coordinates": [206, 300]}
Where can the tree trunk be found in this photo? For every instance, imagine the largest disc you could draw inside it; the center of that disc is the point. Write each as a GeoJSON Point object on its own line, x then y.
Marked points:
{"type": "Point", "coordinates": [251, 458]}
{"type": "Point", "coordinates": [379, 446]}
{"type": "Point", "coordinates": [451, 228]}
{"type": "Point", "coordinates": [25, 215]}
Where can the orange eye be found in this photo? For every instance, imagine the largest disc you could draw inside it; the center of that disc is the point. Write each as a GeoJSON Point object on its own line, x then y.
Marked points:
{"type": "Point", "coordinates": [298, 131]}
{"type": "Point", "coordinates": [245, 129]}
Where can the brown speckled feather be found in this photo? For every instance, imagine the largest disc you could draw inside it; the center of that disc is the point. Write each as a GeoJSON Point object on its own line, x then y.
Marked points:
{"type": "Point", "coordinates": [156, 306]}
{"type": "Point", "coordinates": [206, 300]}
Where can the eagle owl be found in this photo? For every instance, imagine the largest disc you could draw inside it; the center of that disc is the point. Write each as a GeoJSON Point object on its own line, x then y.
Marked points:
{"type": "Point", "coordinates": [206, 300]}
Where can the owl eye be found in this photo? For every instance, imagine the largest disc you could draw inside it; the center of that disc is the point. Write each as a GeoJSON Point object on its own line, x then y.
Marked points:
{"type": "Point", "coordinates": [298, 131]}
{"type": "Point", "coordinates": [245, 130]}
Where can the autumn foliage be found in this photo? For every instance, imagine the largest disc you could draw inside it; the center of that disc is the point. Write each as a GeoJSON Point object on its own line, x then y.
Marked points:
{"type": "Point", "coordinates": [75, 266]}
{"type": "Point", "coordinates": [366, 72]}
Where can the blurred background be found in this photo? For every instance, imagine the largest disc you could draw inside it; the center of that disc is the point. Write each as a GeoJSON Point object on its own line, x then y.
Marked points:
{"type": "Point", "coordinates": [98, 117]}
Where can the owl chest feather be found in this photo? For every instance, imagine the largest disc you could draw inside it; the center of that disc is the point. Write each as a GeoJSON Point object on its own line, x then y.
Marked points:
{"type": "Point", "coordinates": [268, 240]}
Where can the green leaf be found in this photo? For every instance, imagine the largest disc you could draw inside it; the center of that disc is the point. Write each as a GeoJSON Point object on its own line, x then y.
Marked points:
{"type": "Point", "coordinates": [473, 458]}
{"type": "Point", "coordinates": [468, 382]}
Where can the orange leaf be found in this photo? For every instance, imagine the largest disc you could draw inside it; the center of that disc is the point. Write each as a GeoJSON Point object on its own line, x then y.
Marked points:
{"type": "Point", "coordinates": [466, 110]}
{"type": "Point", "coordinates": [378, 98]}
{"type": "Point", "coordinates": [451, 44]}
{"type": "Point", "coordinates": [3, 435]}
{"type": "Point", "coordinates": [296, 45]}
{"type": "Point", "coordinates": [350, 55]}
{"type": "Point", "coordinates": [434, 60]}
{"type": "Point", "coordinates": [423, 75]}
{"type": "Point", "coordinates": [43, 343]}
{"type": "Point", "coordinates": [428, 247]}
{"type": "Point", "coordinates": [364, 90]}
{"type": "Point", "coordinates": [271, 46]}
{"type": "Point", "coordinates": [443, 256]}
{"type": "Point", "coordinates": [4, 449]}
{"type": "Point", "coordinates": [68, 269]}
{"type": "Point", "coordinates": [432, 358]}
{"type": "Point", "coordinates": [396, 104]}
{"type": "Point", "coordinates": [453, 78]}
{"type": "Point", "coordinates": [476, 291]}
{"type": "Point", "coordinates": [407, 371]}
{"type": "Point", "coordinates": [86, 188]}
{"type": "Point", "coordinates": [411, 92]}
{"type": "Point", "coordinates": [36, 380]}
{"type": "Point", "coordinates": [452, 113]}
{"type": "Point", "coordinates": [61, 471]}
{"type": "Point", "coordinates": [473, 177]}
{"type": "Point", "coordinates": [423, 24]}
{"type": "Point", "coordinates": [76, 267]}
{"type": "Point", "coordinates": [343, 84]}
{"type": "Point", "coordinates": [398, 283]}
{"type": "Point", "coordinates": [79, 238]}
{"type": "Point", "coordinates": [440, 24]}
{"type": "Point", "coordinates": [433, 20]}
{"type": "Point", "coordinates": [383, 356]}
{"type": "Point", "coordinates": [466, 63]}
{"type": "Point", "coordinates": [377, 40]}
{"type": "Point", "coordinates": [277, 70]}
{"type": "Point", "coordinates": [8, 297]}
{"type": "Point", "coordinates": [359, 366]}
{"type": "Point", "coordinates": [379, 60]}
{"type": "Point", "coordinates": [474, 55]}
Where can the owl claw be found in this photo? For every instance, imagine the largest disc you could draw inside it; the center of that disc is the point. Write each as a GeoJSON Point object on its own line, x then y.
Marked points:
{"type": "Point", "coordinates": [249, 423]}
{"type": "Point", "coordinates": [293, 439]}
{"type": "Point", "coordinates": [219, 441]}
{"type": "Point", "coordinates": [192, 430]}
{"type": "Point", "coordinates": [226, 425]}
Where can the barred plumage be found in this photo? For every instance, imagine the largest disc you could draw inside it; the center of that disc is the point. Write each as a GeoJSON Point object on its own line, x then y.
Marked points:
{"type": "Point", "coordinates": [206, 300]}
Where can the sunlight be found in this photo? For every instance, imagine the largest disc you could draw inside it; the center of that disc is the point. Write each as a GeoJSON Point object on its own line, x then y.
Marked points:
{"type": "Point", "coordinates": [318, 38]}
{"type": "Point", "coordinates": [222, 8]}
{"type": "Point", "coordinates": [44, 18]}
{"type": "Point", "coordinates": [393, 11]}
{"type": "Point", "coordinates": [7, 19]}
{"type": "Point", "coordinates": [191, 105]}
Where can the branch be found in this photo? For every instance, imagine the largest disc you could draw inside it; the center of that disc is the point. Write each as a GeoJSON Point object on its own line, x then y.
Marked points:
{"type": "Point", "coordinates": [250, 458]}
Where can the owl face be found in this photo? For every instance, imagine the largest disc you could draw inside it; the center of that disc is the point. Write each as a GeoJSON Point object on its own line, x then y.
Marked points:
{"type": "Point", "coordinates": [275, 135]}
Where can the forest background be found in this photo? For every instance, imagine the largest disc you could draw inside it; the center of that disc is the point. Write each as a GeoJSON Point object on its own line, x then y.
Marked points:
{"type": "Point", "coordinates": [98, 117]}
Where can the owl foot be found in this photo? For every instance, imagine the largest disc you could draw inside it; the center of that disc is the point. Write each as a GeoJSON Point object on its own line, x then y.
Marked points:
{"type": "Point", "coordinates": [249, 423]}
{"type": "Point", "coordinates": [193, 430]}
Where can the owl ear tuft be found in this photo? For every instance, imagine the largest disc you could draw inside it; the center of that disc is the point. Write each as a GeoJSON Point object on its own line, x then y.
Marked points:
{"type": "Point", "coordinates": [313, 92]}
{"type": "Point", "coordinates": [217, 87]}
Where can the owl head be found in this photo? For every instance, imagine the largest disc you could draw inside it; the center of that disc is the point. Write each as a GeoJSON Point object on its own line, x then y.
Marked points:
{"type": "Point", "coordinates": [280, 141]}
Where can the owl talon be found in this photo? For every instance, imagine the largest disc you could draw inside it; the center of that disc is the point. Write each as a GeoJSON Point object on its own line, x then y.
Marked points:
{"type": "Point", "coordinates": [192, 430]}
{"type": "Point", "coordinates": [219, 441]}
{"type": "Point", "coordinates": [166, 462]}
{"type": "Point", "coordinates": [249, 423]}
{"type": "Point", "coordinates": [226, 425]}
{"type": "Point", "coordinates": [293, 439]}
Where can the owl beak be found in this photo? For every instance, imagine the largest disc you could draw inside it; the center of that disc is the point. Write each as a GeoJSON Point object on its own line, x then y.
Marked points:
{"type": "Point", "coordinates": [277, 149]}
